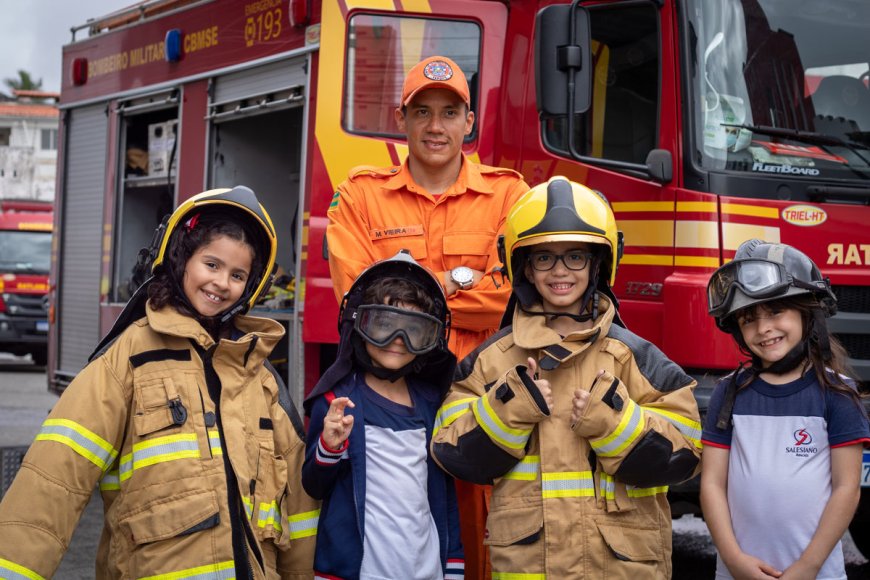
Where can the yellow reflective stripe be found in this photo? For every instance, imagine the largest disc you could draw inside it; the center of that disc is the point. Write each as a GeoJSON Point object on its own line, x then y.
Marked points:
{"type": "Point", "coordinates": [249, 506]}
{"type": "Point", "coordinates": [214, 440]}
{"type": "Point", "coordinates": [526, 469]}
{"type": "Point", "coordinates": [159, 450]}
{"type": "Point", "coordinates": [645, 491]}
{"type": "Point", "coordinates": [14, 571]}
{"type": "Point", "coordinates": [495, 428]}
{"type": "Point", "coordinates": [628, 429]}
{"type": "Point", "coordinates": [606, 486]}
{"type": "Point", "coordinates": [450, 412]}
{"type": "Point", "coordinates": [567, 484]}
{"type": "Point", "coordinates": [220, 571]}
{"type": "Point", "coordinates": [303, 525]}
{"type": "Point", "coordinates": [269, 515]}
{"type": "Point", "coordinates": [80, 439]}
{"type": "Point", "coordinates": [111, 481]}
{"type": "Point", "coordinates": [691, 430]}
{"type": "Point", "coordinates": [517, 576]}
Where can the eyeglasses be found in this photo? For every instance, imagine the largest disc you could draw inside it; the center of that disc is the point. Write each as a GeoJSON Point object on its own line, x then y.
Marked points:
{"type": "Point", "coordinates": [756, 278]}
{"type": "Point", "coordinates": [545, 261]}
{"type": "Point", "coordinates": [380, 324]}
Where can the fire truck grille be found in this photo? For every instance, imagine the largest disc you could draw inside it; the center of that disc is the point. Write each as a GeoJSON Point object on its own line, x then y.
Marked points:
{"type": "Point", "coordinates": [852, 299]}
{"type": "Point", "coordinates": [858, 345]}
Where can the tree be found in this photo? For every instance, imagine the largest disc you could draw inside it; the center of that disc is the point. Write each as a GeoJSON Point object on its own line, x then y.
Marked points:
{"type": "Point", "coordinates": [24, 82]}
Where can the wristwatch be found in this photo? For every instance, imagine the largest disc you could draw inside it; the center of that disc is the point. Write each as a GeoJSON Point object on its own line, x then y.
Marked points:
{"type": "Point", "coordinates": [463, 276]}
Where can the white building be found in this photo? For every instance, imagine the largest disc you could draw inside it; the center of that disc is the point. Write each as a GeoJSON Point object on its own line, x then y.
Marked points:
{"type": "Point", "coordinates": [28, 147]}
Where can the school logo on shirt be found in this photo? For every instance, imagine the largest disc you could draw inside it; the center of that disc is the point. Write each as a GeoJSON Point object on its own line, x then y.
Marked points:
{"type": "Point", "coordinates": [803, 440]}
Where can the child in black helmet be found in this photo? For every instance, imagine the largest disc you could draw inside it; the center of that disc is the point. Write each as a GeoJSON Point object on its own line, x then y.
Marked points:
{"type": "Point", "coordinates": [788, 425]}
{"type": "Point", "coordinates": [191, 437]}
{"type": "Point", "coordinates": [388, 510]}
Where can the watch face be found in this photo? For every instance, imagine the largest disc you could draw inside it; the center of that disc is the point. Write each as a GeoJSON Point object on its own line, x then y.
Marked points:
{"type": "Point", "coordinates": [462, 275]}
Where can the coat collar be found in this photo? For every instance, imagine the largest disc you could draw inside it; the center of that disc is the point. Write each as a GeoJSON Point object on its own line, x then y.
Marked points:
{"type": "Point", "coordinates": [530, 331]}
{"type": "Point", "coordinates": [470, 178]}
{"type": "Point", "coordinates": [169, 321]}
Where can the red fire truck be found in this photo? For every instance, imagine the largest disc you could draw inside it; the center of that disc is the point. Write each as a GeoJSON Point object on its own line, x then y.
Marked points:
{"type": "Point", "coordinates": [705, 122]}
{"type": "Point", "coordinates": [25, 258]}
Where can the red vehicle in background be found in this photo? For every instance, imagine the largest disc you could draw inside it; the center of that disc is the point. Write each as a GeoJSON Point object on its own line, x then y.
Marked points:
{"type": "Point", "coordinates": [704, 122]}
{"type": "Point", "coordinates": [25, 259]}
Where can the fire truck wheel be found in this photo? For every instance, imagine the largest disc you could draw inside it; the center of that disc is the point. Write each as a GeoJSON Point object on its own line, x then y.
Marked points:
{"type": "Point", "coordinates": [861, 536]}
{"type": "Point", "coordinates": [40, 357]}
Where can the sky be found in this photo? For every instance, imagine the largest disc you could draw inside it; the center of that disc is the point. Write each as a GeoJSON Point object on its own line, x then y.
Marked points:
{"type": "Point", "coordinates": [32, 33]}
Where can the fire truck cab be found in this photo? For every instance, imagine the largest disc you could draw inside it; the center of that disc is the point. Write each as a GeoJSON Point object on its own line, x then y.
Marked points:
{"type": "Point", "coordinates": [25, 258]}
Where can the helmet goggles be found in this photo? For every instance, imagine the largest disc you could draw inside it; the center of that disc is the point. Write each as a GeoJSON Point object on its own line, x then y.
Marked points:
{"type": "Point", "coordinates": [380, 324]}
{"type": "Point", "coordinates": [756, 278]}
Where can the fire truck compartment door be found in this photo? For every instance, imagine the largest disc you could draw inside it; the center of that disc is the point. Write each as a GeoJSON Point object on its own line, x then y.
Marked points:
{"type": "Point", "coordinates": [260, 89]}
{"type": "Point", "coordinates": [81, 242]}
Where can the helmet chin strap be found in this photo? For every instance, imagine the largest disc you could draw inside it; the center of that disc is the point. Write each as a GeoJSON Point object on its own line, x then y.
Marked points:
{"type": "Point", "coordinates": [588, 304]}
{"type": "Point", "coordinates": [214, 323]}
{"type": "Point", "coordinates": [794, 357]}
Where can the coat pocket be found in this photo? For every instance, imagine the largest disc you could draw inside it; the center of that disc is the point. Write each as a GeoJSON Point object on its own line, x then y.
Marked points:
{"type": "Point", "coordinates": [165, 518]}
{"type": "Point", "coordinates": [514, 534]}
{"type": "Point", "coordinates": [390, 246]}
{"type": "Point", "coordinates": [510, 525]}
{"type": "Point", "coordinates": [269, 518]}
{"type": "Point", "coordinates": [166, 535]}
{"type": "Point", "coordinates": [631, 543]}
{"type": "Point", "coordinates": [159, 405]}
{"type": "Point", "coordinates": [471, 248]}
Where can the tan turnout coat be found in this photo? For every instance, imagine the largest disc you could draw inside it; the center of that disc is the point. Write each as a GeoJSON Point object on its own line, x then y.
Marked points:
{"type": "Point", "coordinates": [562, 504]}
{"type": "Point", "coordinates": [139, 422]}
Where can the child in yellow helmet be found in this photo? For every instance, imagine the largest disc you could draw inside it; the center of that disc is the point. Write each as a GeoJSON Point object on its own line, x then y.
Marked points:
{"type": "Point", "coordinates": [578, 423]}
{"type": "Point", "coordinates": [178, 418]}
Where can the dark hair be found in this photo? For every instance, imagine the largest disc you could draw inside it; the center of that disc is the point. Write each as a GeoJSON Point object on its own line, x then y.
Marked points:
{"type": "Point", "coordinates": [185, 241]}
{"type": "Point", "coordinates": [831, 374]}
{"type": "Point", "coordinates": [395, 291]}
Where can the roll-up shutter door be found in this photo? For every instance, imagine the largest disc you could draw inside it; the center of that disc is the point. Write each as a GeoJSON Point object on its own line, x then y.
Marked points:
{"type": "Point", "coordinates": [259, 89]}
{"type": "Point", "coordinates": [81, 238]}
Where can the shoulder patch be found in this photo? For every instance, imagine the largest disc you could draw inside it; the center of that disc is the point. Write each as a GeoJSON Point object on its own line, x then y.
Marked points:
{"type": "Point", "coordinates": [464, 368]}
{"type": "Point", "coordinates": [371, 171]}
{"type": "Point", "coordinates": [662, 373]}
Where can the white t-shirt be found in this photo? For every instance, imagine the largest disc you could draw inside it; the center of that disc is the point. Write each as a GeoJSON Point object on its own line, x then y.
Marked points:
{"type": "Point", "coordinates": [779, 470]}
{"type": "Point", "coordinates": [400, 537]}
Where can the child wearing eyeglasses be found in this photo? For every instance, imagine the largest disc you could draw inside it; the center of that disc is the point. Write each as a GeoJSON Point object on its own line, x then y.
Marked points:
{"type": "Point", "coordinates": [784, 433]}
{"type": "Point", "coordinates": [388, 510]}
{"type": "Point", "coordinates": [579, 424]}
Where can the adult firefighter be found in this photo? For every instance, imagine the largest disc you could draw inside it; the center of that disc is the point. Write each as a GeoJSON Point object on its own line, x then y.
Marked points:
{"type": "Point", "coordinates": [580, 424]}
{"type": "Point", "coordinates": [180, 420]}
{"type": "Point", "coordinates": [445, 209]}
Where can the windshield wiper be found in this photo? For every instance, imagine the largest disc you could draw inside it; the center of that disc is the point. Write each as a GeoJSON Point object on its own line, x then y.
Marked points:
{"type": "Point", "coordinates": [800, 135]}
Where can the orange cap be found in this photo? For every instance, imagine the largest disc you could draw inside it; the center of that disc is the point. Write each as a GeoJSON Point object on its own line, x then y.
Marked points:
{"type": "Point", "coordinates": [435, 72]}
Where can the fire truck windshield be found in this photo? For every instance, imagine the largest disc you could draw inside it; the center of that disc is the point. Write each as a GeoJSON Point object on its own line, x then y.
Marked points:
{"type": "Point", "coordinates": [781, 86]}
{"type": "Point", "coordinates": [25, 252]}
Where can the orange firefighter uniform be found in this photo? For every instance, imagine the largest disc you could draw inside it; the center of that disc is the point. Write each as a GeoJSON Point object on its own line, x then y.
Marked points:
{"type": "Point", "coordinates": [198, 462]}
{"type": "Point", "coordinates": [572, 501]}
{"type": "Point", "coordinates": [378, 211]}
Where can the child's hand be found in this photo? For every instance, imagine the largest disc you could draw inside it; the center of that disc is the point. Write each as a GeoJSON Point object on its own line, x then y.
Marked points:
{"type": "Point", "coordinates": [800, 570]}
{"type": "Point", "coordinates": [581, 399]}
{"type": "Point", "coordinates": [746, 567]}
{"type": "Point", "coordinates": [542, 384]}
{"type": "Point", "coordinates": [337, 425]}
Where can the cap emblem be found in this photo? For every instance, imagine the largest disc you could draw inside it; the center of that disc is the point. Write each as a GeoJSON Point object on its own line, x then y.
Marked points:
{"type": "Point", "coordinates": [438, 70]}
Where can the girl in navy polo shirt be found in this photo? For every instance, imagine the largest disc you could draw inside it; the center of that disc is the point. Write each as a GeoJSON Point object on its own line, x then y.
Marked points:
{"type": "Point", "coordinates": [785, 432]}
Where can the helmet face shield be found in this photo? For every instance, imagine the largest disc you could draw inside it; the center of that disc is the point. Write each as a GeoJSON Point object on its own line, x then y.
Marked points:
{"type": "Point", "coordinates": [380, 324]}
{"type": "Point", "coordinates": [756, 278]}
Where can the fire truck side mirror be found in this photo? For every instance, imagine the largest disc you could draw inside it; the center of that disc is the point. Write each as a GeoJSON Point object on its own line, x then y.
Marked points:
{"type": "Point", "coordinates": [563, 67]}
{"type": "Point", "coordinates": [660, 165]}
